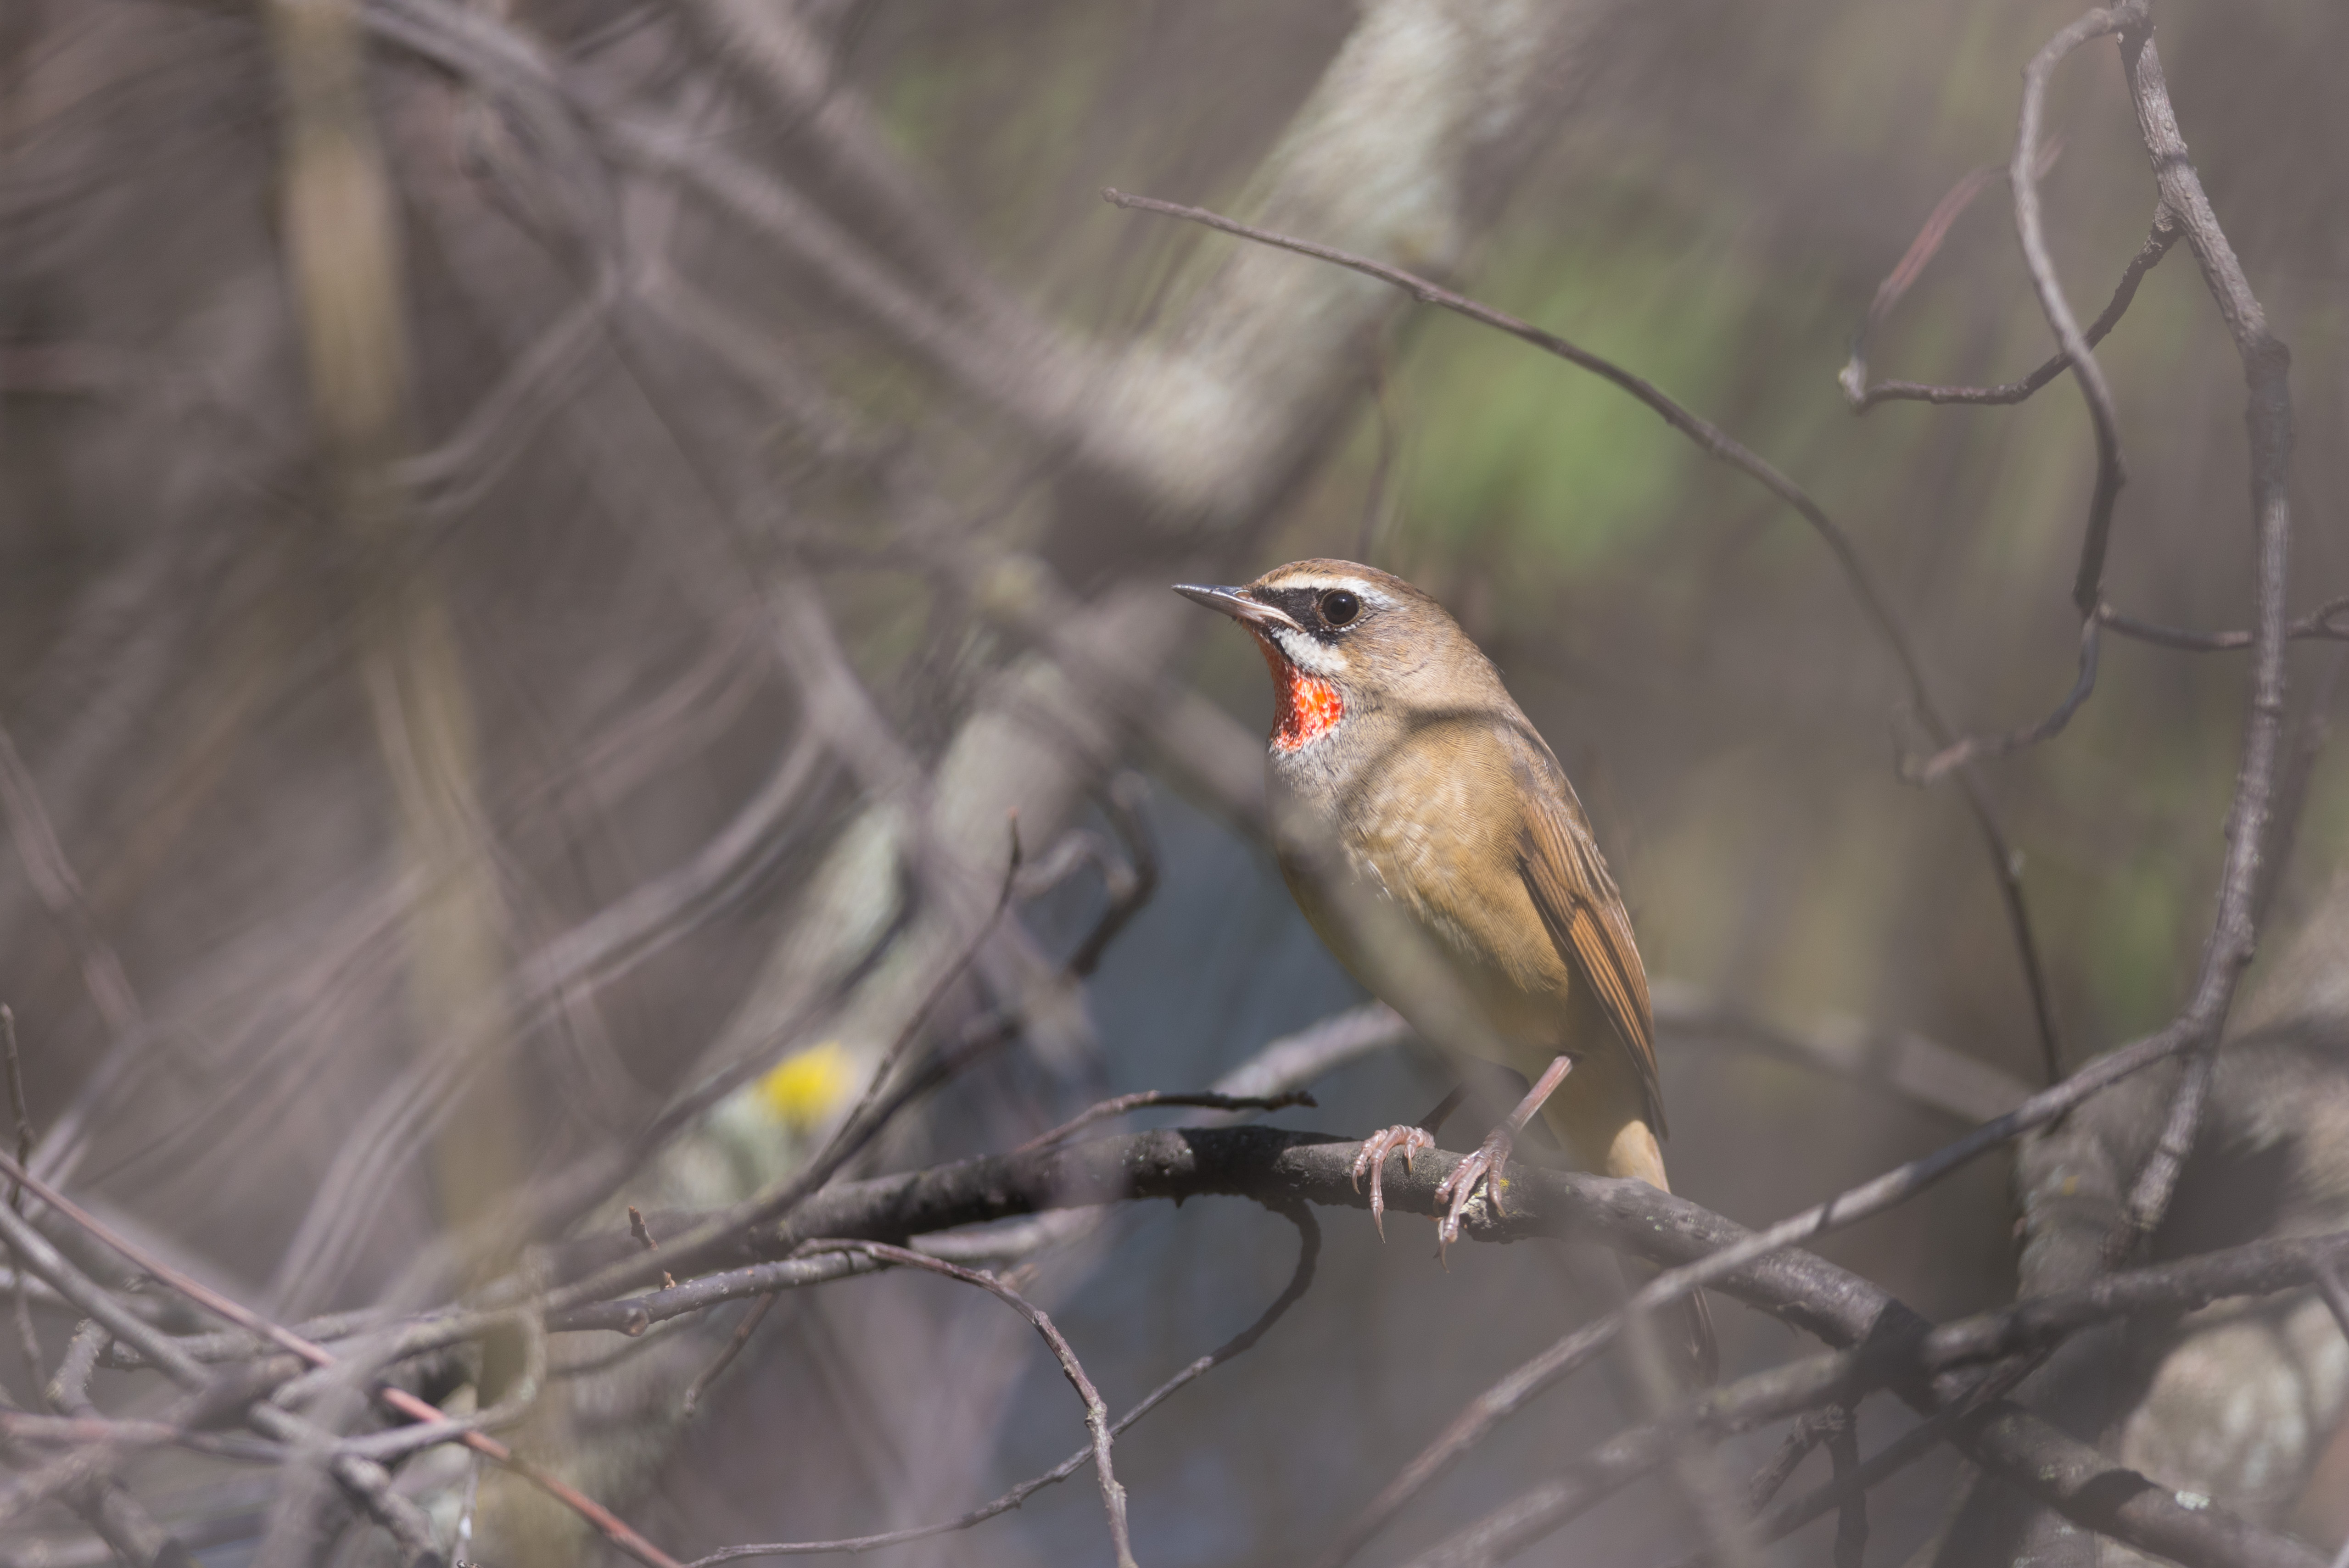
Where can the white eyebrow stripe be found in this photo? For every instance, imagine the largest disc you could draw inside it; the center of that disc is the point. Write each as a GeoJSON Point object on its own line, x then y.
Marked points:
{"type": "Point", "coordinates": [1355, 585]}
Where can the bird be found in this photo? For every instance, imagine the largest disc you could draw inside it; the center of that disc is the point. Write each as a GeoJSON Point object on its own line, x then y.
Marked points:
{"type": "Point", "coordinates": [1437, 848]}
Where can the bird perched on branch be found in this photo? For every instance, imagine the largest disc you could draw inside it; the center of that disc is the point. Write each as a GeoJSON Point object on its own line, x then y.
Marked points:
{"type": "Point", "coordinates": [1432, 840]}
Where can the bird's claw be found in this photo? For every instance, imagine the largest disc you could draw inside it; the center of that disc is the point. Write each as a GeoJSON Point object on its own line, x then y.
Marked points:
{"type": "Point", "coordinates": [1484, 1168]}
{"type": "Point", "coordinates": [1373, 1160]}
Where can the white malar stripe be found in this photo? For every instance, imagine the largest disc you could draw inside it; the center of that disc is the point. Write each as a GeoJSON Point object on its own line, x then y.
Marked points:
{"type": "Point", "coordinates": [1309, 653]}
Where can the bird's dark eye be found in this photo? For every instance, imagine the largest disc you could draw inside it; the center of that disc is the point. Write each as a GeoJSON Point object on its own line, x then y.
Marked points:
{"type": "Point", "coordinates": [1338, 606]}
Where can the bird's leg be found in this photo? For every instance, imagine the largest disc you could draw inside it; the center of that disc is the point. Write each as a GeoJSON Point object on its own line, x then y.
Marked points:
{"type": "Point", "coordinates": [1410, 1140]}
{"type": "Point", "coordinates": [1491, 1156]}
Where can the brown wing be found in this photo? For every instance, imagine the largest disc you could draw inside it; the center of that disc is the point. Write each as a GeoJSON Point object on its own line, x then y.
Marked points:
{"type": "Point", "coordinates": [1579, 903]}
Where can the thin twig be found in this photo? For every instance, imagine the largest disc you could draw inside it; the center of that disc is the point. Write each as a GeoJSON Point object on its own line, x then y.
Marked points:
{"type": "Point", "coordinates": [2269, 416]}
{"type": "Point", "coordinates": [1301, 1279]}
{"type": "Point", "coordinates": [2335, 1293]}
{"type": "Point", "coordinates": [1203, 1098]}
{"type": "Point", "coordinates": [2087, 585]}
{"type": "Point", "coordinates": [18, 1106]}
{"type": "Point", "coordinates": [52, 877]}
{"type": "Point", "coordinates": [1855, 1483]}
{"type": "Point", "coordinates": [1921, 251]}
{"type": "Point", "coordinates": [1096, 1411]}
{"type": "Point", "coordinates": [28, 1339]}
{"type": "Point", "coordinates": [643, 1234]}
{"type": "Point", "coordinates": [1374, 497]}
{"type": "Point", "coordinates": [1123, 803]}
{"type": "Point", "coordinates": [1809, 1430]}
{"type": "Point", "coordinates": [717, 1368]}
{"type": "Point", "coordinates": [1750, 1401]}
{"type": "Point", "coordinates": [1913, 262]}
{"type": "Point", "coordinates": [1851, 1523]}
{"type": "Point", "coordinates": [2165, 234]}
{"type": "Point", "coordinates": [2322, 624]}
{"type": "Point", "coordinates": [1982, 747]}
{"type": "Point", "coordinates": [2076, 352]}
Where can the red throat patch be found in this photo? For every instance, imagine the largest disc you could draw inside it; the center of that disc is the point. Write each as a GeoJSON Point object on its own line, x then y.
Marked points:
{"type": "Point", "coordinates": [1305, 706]}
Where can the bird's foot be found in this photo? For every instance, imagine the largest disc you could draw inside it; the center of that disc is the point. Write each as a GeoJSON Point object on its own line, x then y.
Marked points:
{"type": "Point", "coordinates": [1373, 1160]}
{"type": "Point", "coordinates": [1484, 1168]}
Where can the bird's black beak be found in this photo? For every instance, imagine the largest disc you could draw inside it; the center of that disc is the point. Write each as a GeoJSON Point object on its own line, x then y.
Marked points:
{"type": "Point", "coordinates": [1237, 603]}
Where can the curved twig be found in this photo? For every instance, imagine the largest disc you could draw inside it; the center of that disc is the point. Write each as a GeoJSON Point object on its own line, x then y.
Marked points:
{"type": "Point", "coordinates": [2266, 364]}
{"type": "Point", "coordinates": [1299, 1281]}
{"type": "Point", "coordinates": [2074, 351]}
{"type": "Point", "coordinates": [2087, 584]}
{"type": "Point", "coordinates": [1096, 1411]}
{"type": "Point", "coordinates": [1979, 747]}
{"type": "Point", "coordinates": [2165, 234]}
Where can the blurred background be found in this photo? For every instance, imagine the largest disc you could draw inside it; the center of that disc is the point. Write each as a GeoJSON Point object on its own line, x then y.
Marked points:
{"type": "Point", "coordinates": [541, 539]}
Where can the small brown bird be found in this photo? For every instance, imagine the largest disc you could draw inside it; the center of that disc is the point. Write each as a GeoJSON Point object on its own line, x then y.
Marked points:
{"type": "Point", "coordinates": [1432, 840]}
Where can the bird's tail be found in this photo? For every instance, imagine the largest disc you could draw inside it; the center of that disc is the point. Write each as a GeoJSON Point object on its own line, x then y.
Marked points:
{"type": "Point", "coordinates": [1601, 1118]}
{"type": "Point", "coordinates": [1632, 1150]}
{"type": "Point", "coordinates": [1691, 1355]}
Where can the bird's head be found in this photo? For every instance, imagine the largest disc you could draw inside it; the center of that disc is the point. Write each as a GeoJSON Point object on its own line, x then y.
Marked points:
{"type": "Point", "coordinates": [1341, 638]}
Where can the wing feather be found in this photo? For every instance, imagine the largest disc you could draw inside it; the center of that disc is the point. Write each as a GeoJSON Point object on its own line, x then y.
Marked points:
{"type": "Point", "coordinates": [1560, 861]}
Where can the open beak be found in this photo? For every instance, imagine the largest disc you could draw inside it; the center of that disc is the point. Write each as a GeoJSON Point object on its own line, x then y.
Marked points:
{"type": "Point", "coordinates": [1237, 603]}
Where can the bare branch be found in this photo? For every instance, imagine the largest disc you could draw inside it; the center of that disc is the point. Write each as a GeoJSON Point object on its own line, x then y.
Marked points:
{"type": "Point", "coordinates": [1096, 1412]}
{"type": "Point", "coordinates": [2266, 367]}
{"type": "Point", "coordinates": [2322, 623]}
{"type": "Point", "coordinates": [1301, 1279]}
{"type": "Point", "coordinates": [743, 1330]}
{"type": "Point", "coordinates": [2165, 234]}
{"type": "Point", "coordinates": [1979, 748]}
{"type": "Point", "coordinates": [2087, 588]}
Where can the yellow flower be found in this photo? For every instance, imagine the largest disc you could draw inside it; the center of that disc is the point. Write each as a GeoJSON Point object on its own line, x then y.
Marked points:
{"type": "Point", "coordinates": [804, 1088]}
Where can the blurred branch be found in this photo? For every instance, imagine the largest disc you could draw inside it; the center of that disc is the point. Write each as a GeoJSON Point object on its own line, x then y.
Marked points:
{"type": "Point", "coordinates": [344, 262]}
{"type": "Point", "coordinates": [60, 890]}
{"type": "Point", "coordinates": [367, 1481]}
{"type": "Point", "coordinates": [396, 1515]}
{"type": "Point", "coordinates": [785, 67]}
{"type": "Point", "coordinates": [1922, 1071]}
